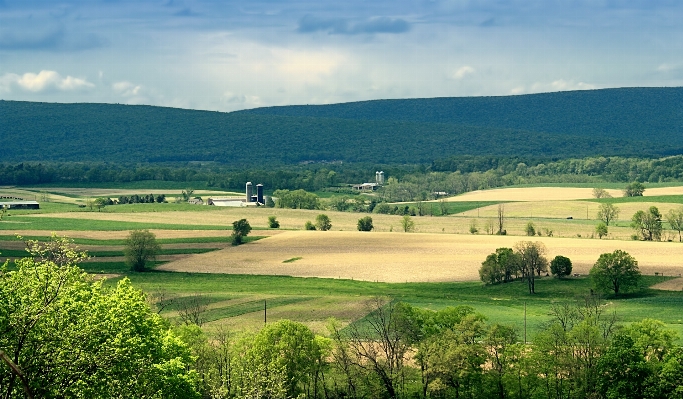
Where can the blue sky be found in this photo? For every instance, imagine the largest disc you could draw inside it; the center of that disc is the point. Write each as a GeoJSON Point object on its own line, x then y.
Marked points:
{"type": "Point", "coordinates": [230, 55]}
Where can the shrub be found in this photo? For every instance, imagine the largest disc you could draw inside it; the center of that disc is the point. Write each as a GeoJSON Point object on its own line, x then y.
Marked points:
{"type": "Point", "coordinates": [273, 223]}
{"type": "Point", "coordinates": [530, 229]}
{"type": "Point", "coordinates": [365, 224]}
{"type": "Point", "coordinates": [309, 226]}
{"type": "Point", "coordinates": [323, 222]}
{"type": "Point", "coordinates": [561, 266]}
{"type": "Point", "coordinates": [240, 229]}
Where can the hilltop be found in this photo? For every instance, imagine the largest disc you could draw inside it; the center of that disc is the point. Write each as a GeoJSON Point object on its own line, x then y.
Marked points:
{"type": "Point", "coordinates": [626, 122]}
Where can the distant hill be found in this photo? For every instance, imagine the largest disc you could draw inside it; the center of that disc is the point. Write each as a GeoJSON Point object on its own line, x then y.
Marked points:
{"type": "Point", "coordinates": [559, 125]}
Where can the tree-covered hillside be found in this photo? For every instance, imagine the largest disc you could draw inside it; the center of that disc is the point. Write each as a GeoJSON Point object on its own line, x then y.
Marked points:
{"type": "Point", "coordinates": [624, 122]}
{"type": "Point", "coordinates": [633, 113]}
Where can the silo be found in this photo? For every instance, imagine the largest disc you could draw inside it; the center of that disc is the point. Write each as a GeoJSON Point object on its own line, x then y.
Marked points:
{"type": "Point", "coordinates": [259, 194]}
{"type": "Point", "coordinates": [249, 191]}
{"type": "Point", "coordinates": [377, 177]}
{"type": "Point", "coordinates": [381, 177]}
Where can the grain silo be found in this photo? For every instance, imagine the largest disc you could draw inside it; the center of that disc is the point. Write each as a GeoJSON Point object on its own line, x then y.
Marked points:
{"type": "Point", "coordinates": [249, 191]}
{"type": "Point", "coordinates": [259, 194]}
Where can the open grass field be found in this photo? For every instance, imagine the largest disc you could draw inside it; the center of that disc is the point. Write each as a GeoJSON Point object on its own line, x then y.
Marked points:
{"type": "Point", "coordinates": [407, 257]}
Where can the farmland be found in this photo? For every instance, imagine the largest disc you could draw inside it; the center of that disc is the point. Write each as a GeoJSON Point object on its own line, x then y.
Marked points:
{"type": "Point", "coordinates": [310, 276]}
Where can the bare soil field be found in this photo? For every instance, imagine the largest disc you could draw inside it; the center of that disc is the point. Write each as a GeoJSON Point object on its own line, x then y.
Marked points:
{"type": "Point", "coordinates": [551, 194]}
{"type": "Point", "coordinates": [401, 257]}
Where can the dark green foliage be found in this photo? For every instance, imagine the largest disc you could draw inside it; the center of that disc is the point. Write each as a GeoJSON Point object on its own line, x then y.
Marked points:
{"type": "Point", "coordinates": [616, 272]}
{"type": "Point", "coordinates": [561, 266]}
{"type": "Point", "coordinates": [297, 199]}
{"type": "Point", "coordinates": [634, 189]}
{"type": "Point", "coordinates": [141, 248]}
{"type": "Point", "coordinates": [500, 266]}
{"type": "Point", "coordinates": [323, 222]}
{"type": "Point", "coordinates": [309, 226]}
{"type": "Point", "coordinates": [622, 371]}
{"type": "Point", "coordinates": [648, 224]}
{"type": "Point", "coordinates": [273, 222]}
{"type": "Point", "coordinates": [365, 224]}
{"type": "Point", "coordinates": [240, 229]}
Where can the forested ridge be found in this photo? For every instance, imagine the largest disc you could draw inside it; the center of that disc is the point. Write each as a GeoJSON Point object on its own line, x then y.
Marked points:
{"type": "Point", "coordinates": [615, 122]}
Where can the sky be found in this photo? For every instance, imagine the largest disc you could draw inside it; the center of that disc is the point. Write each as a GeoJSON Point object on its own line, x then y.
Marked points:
{"type": "Point", "coordinates": [226, 55]}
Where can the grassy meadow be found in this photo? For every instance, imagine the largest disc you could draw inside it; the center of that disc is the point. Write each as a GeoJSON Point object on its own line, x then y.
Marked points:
{"type": "Point", "coordinates": [341, 270]}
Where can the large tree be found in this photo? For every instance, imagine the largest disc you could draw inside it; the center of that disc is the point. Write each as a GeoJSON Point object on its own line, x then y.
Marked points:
{"type": "Point", "coordinates": [634, 189]}
{"type": "Point", "coordinates": [617, 272]}
{"type": "Point", "coordinates": [561, 266]}
{"type": "Point", "coordinates": [607, 213]}
{"type": "Point", "coordinates": [64, 335]}
{"type": "Point", "coordinates": [532, 261]}
{"type": "Point", "coordinates": [141, 247]}
{"type": "Point", "coordinates": [675, 219]}
{"type": "Point", "coordinates": [648, 224]}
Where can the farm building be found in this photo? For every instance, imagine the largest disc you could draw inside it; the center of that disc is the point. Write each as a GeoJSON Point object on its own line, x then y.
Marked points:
{"type": "Point", "coordinates": [366, 187]}
{"type": "Point", "coordinates": [232, 202]}
{"type": "Point", "coordinates": [20, 204]}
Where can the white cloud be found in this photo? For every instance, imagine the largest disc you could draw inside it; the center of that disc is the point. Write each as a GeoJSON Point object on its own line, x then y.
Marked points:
{"type": "Point", "coordinates": [561, 85]}
{"type": "Point", "coordinates": [463, 71]}
{"type": "Point", "coordinates": [126, 89]}
{"type": "Point", "coordinates": [41, 82]}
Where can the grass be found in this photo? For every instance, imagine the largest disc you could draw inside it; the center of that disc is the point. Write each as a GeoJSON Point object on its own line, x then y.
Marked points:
{"type": "Point", "coordinates": [55, 224]}
{"type": "Point", "coordinates": [669, 199]}
{"type": "Point", "coordinates": [502, 303]}
{"type": "Point", "coordinates": [162, 241]}
{"type": "Point", "coordinates": [452, 207]}
{"type": "Point", "coordinates": [292, 259]}
{"type": "Point", "coordinates": [134, 185]}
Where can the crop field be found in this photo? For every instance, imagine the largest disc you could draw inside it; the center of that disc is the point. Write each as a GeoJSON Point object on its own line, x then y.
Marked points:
{"type": "Point", "coordinates": [401, 257]}
{"type": "Point", "coordinates": [335, 273]}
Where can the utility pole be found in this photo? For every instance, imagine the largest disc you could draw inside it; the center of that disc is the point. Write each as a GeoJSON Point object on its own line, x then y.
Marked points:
{"type": "Point", "coordinates": [524, 322]}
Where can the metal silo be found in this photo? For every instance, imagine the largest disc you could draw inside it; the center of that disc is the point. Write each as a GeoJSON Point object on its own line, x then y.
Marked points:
{"type": "Point", "coordinates": [249, 191]}
{"type": "Point", "coordinates": [259, 194]}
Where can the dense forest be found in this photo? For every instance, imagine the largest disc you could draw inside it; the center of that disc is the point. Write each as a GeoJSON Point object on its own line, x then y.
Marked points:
{"type": "Point", "coordinates": [615, 122]}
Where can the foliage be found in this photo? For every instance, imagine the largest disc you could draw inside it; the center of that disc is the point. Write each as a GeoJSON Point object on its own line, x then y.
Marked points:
{"type": "Point", "coordinates": [365, 224]}
{"type": "Point", "coordinates": [323, 222]}
{"type": "Point", "coordinates": [634, 189]}
{"type": "Point", "coordinates": [601, 230]}
{"type": "Point", "coordinates": [675, 219]}
{"type": "Point", "coordinates": [309, 226]}
{"type": "Point", "coordinates": [240, 229]}
{"type": "Point", "coordinates": [141, 248]}
{"type": "Point", "coordinates": [531, 261]}
{"type": "Point", "coordinates": [68, 336]}
{"type": "Point", "coordinates": [269, 202]}
{"type": "Point", "coordinates": [407, 224]}
{"type": "Point", "coordinates": [500, 266]}
{"type": "Point", "coordinates": [648, 224]}
{"type": "Point", "coordinates": [600, 193]}
{"type": "Point", "coordinates": [530, 229]}
{"type": "Point", "coordinates": [561, 266]}
{"type": "Point", "coordinates": [607, 212]}
{"type": "Point", "coordinates": [297, 199]}
{"type": "Point", "coordinates": [473, 226]}
{"type": "Point", "coordinates": [273, 222]}
{"type": "Point", "coordinates": [616, 272]}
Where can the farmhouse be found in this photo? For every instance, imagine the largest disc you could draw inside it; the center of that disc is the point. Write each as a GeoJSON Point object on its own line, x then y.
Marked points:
{"type": "Point", "coordinates": [19, 204]}
{"type": "Point", "coordinates": [366, 187]}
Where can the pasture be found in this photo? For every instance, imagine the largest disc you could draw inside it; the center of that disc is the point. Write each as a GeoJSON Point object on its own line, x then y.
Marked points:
{"type": "Point", "coordinates": [335, 273]}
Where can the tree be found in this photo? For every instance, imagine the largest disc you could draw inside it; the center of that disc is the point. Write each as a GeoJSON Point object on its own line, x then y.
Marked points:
{"type": "Point", "coordinates": [501, 220]}
{"type": "Point", "coordinates": [607, 213]}
{"type": "Point", "coordinates": [622, 370]}
{"type": "Point", "coordinates": [473, 226]}
{"type": "Point", "coordinates": [407, 224]}
{"type": "Point", "coordinates": [141, 247]}
{"type": "Point", "coordinates": [297, 199]}
{"type": "Point", "coordinates": [530, 229]}
{"type": "Point", "coordinates": [601, 193]}
{"type": "Point", "coordinates": [269, 202]}
{"type": "Point", "coordinates": [101, 203]}
{"type": "Point", "coordinates": [532, 261]}
{"type": "Point", "coordinates": [309, 226]}
{"type": "Point", "coordinates": [499, 266]}
{"type": "Point", "coordinates": [617, 271]}
{"type": "Point", "coordinates": [675, 219]}
{"type": "Point", "coordinates": [365, 224]}
{"type": "Point", "coordinates": [634, 189]}
{"type": "Point", "coordinates": [273, 223]}
{"type": "Point", "coordinates": [323, 222]}
{"type": "Point", "coordinates": [240, 229]}
{"type": "Point", "coordinates": [66, 335]}
{"type": "Point", "coordinates": [561, 266]}
{"type": "Point", "coordinates": [601, 230]}
{"type": "Point", "coordinates": [648, 224]}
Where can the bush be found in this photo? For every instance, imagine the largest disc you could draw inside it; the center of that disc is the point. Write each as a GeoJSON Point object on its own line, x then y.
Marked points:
{"type": "Point", "coordinates": [273, 223]}
{"type": "Point", "coordinates": [561, 266]}
{"type": "Point", "coordinates": [323, 222]}
{"type": "Point", "coordinates": [309, 226]}
{"type": "Point", "coordinates": [473, 227]}
{"type": "Point", "coordinates": [365, 224]}
{"type": "Point", "coordinates": [530, 229]}
{"type": "Point", "coordinates": [601, 230]}
{"type": "Point", "coordinates": [407, 224]}
{"type": "Point", "coordinates": [240, 229]}
{"type": "Point", "coordinates": [141, 246]}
